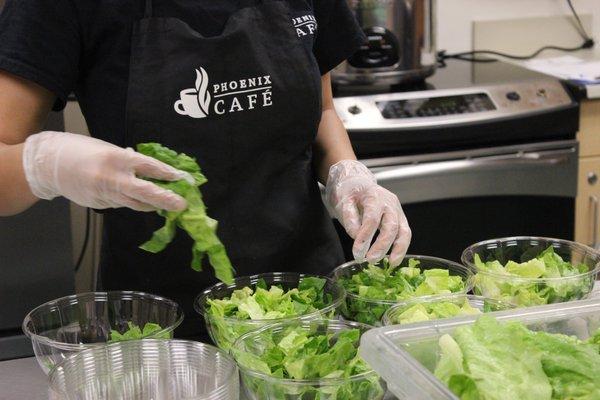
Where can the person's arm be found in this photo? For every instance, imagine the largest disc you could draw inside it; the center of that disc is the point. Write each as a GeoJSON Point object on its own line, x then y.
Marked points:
{"type": "Point", "coordinates": [332, 143]}
{"type": "Point", "coordinates": [360, 204]}
{"type": "Point", "coordinates": [88, 171]}
{"type": "Point", "coordinates": [24, 107]}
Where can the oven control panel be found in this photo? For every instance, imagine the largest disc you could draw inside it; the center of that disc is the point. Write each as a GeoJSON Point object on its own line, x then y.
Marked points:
{"type": "Point", "coordinates": [450, 106]}
{"type": "Point", "coordinates": [435, 106]}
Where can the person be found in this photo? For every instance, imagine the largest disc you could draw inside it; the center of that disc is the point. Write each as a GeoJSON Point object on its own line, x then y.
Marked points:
{"type": "Point", "coordinates": [241, 85]}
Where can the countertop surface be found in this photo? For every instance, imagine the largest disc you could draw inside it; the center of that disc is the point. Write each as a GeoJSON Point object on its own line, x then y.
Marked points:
{"type": "Point", "coordinates": [581, 90]}
{"type": "Point", "coordinates": [22, 379]}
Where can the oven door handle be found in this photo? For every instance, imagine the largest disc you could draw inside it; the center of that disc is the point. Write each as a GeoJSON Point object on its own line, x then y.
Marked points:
{"type": "Point", "coordinates": [498, 162]}
{"type": "Point", "coordinates": [534, 173]}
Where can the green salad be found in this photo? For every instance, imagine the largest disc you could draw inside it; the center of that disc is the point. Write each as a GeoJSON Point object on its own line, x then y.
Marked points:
{"type": "Point", "coordinates": [428, 311]}
{"type": "Point", "coordinates": [194, 220]}
{"type": "Point", "coordinates": [299, 354]}
{"type": "Point", "coordinates": [502, 281]}
{"type": "Point", "coordinates": [497, 361]}
{"type": "Point", "coordinates": [393, 284]}
{"type": "Point", "coordinates": [135, 332]}
{"type": "Point", "coordinates": [230, 317]}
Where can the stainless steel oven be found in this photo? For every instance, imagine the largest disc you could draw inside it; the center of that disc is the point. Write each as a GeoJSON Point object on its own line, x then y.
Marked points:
{"type": "Point", "coordinates": [454, 199]}
{"type": "Point", "coordinates": [478, 152]}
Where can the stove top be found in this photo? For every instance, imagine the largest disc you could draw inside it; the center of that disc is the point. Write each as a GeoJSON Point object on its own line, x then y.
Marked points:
{"type": "Point", "coordinates": [459, 93]}
{"type": "Point", "coordinates": [454, 74]}
{"type": "Point", "coordinates": [463, 104]}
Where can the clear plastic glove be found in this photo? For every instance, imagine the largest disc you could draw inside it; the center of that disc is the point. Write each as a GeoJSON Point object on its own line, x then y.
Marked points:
{"type": "Point", "coordinates": [97, 174]}
{"type": "Point", "coordinates": [363, 207]}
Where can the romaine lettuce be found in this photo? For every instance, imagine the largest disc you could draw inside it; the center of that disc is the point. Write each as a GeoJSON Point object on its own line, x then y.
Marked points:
{"type": "Point", "coordinates": [510, 282]}
{"type": "Point", "coordinates": [134, 333]}
{"type": "Point", "coordinates": [301, 355]}
{"type": "Point", "coordinates": [193, 220]}
{"type": "Point", "coordinates": [263, 303]}
{"type": "Point", "coordinates": [393, 284]}
{"type": "Point", "coordinates": [428, 311]}
{"type": "Point", "coordinates": [497, 361]}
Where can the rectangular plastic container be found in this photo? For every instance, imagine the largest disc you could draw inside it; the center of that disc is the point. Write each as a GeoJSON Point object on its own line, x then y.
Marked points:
{"type": "Point", "coordinates": [405, 356]}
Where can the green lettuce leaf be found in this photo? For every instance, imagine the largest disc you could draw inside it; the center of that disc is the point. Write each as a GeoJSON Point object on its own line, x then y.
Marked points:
{"type": "Point", "coordinates": [428, 311]}
{"type": "Point", "coordinates": [194, 220]}
{"type": "Point", "coordinates": [492, 361]}
{"type": "Point", "coordinates": [394, 284]}
{"type": "Point", "coordinates": [135, 333]}
{"type": "Point", "coordinates": [262, 303]}
{"type": "Point", "coordinates": [507, 286]}
{"type": "Point", "coordinates": [297, 353]}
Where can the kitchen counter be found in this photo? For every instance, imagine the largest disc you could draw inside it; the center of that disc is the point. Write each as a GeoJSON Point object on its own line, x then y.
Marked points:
{"type": "Point", "coordinates": [581, 90]}
{"type": "Point", "coordinates": [22, 379]}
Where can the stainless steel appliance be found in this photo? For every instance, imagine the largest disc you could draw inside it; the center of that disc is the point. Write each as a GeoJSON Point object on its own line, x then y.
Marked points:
{"type": "Point", "coordinates": [479, 151]}
{"type": "Point", "coordinates": [36, 264]}
{"type": "Point", "coordinates": [400, 44]}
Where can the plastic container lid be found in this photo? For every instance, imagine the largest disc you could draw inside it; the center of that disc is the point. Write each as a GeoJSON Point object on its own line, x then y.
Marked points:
{"type": "Point", "coordinates": [405, 355]}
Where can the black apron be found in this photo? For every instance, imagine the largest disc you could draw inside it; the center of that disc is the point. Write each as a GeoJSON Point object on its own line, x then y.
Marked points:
{"type": "Point", "coordinates": [247, 105]}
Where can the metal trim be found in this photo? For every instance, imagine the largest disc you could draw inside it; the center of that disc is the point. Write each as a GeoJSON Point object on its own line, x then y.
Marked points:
{"type": "Point", "coordinates": [370, 119]}
{"type": "Point", "coordinates": [548, 169]}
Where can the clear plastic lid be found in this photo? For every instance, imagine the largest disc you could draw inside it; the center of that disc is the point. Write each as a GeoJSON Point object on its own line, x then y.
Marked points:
{"type": "Point", "coordinates": [405, 356]}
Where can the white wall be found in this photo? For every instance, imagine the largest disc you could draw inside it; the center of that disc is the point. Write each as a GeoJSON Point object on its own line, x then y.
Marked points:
{"type": "Point", "coordinates": [455, 17]}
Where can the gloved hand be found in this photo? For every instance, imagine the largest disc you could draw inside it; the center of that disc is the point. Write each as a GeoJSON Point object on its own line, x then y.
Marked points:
{"type": "Point", "coordinates": [97, 174]}
{"type": "Point", "coordinates": [363, 207]}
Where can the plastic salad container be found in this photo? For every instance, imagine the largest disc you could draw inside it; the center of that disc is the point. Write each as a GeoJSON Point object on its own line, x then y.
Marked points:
{"type": "Point", "coordinates": [370, 310]}
{"type": "Point", "coordinates": [147, 369]}
{"type": "Point", "coordinates": [441, 307]}
{"type": "Point", "coordinates": [71, 324]}
{"type": "Point", "coordinates": [405, 356]}
{"type": "Point", "coordinates": [224, 331]}
{"type": "Point", "coordinates": [532, 286]}
{"type": "Point", "coordinates": [257, 385]}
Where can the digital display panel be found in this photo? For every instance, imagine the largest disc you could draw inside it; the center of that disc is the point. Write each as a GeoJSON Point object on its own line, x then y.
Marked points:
{"type": "Point", "coordinates": [436, 106]}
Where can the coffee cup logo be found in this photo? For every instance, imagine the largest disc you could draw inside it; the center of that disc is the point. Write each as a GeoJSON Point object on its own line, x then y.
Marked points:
{"type": "Point", "coordinates": [195, 102]}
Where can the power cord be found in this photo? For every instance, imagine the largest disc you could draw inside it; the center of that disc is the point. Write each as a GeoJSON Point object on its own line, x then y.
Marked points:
{"type": "Point", "coordinates": [588, 42]}
{"type": "Point", "coordinates": [85, 240]}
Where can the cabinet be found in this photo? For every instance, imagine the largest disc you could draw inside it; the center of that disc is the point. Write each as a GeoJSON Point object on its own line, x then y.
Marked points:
{"type": "Point", "coordinates": [587, 209]}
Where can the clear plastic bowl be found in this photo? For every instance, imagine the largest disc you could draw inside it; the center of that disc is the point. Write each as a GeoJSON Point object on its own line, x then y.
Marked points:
{"type": "Point", "coordinates": [71, 324]}
{"type": "Point", "coordinates": [406, 355]}
{"type": "Point", "coordinates": [225, 331]}
{"type": "Point", "coordinates": [483, 304]}
{"type": "Point", "coordinates": [531, 291]}
{"type": "Point", "coordinates": [259, 386]}
{"type": "Point", "coordinates": [146, 369]}
{"type": "Point", "coordinates": [370, 311]}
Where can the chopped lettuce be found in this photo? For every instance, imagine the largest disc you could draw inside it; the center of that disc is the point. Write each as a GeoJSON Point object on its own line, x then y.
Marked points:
{"type": "Point", "coordinates": [393, 284]}
{"type": "Point", "coordinates": [506, 283]}
{"type": "Point", "coordinates": [135, 332]}
{"type": "Point", "coordinates": [495, 361]}
{"type": "Point", "coordinates": [263, 303]}
{"type": "Point", "coordinates": [194, 220]}
{"type": "Point", "coordinates": [428, 311]}
{"type": "Point", "coordinates": [299, 354]}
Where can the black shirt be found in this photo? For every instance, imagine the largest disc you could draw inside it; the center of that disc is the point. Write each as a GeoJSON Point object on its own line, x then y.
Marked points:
{"type": "Point", "coordinates": [83, 46]}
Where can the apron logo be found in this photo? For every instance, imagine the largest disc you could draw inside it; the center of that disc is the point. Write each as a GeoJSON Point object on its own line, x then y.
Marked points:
{"type": "Point", "coordinates": [305, 25]}
{"type": "Point", "coordinates": [195, 102]}
{"type": "Point", "coordinates": [229, 97]}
